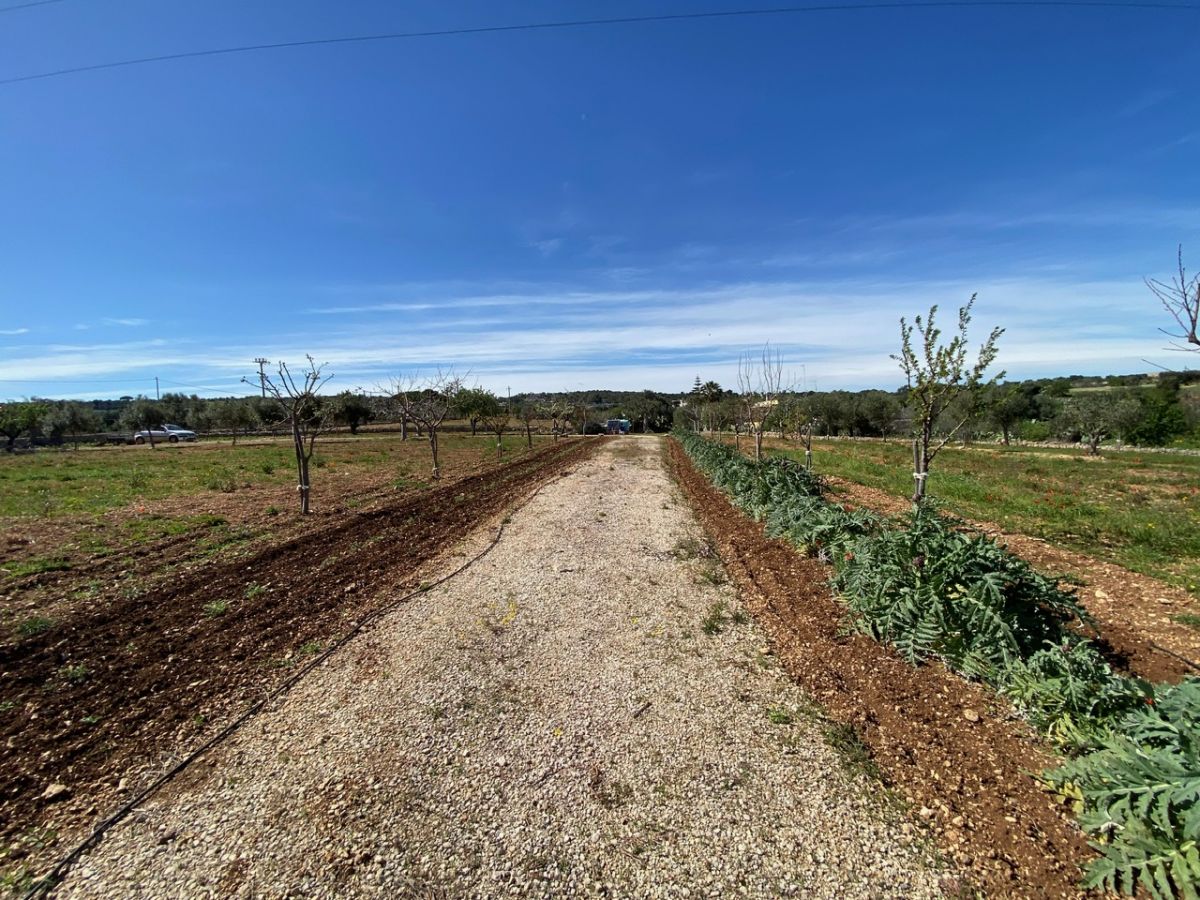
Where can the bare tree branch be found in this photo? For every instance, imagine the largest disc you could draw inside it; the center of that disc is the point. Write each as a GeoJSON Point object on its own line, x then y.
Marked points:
{"type": "Point", "coordinates": [1181, 299]}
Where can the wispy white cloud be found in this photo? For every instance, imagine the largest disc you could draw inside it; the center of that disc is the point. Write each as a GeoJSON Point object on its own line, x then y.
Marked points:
{"type": "Point", "coordinates": [841, 332]}
{"type": "Point", "coordinates": [129, 323]}
{"type": "Point", "coordinates": [14, 331]}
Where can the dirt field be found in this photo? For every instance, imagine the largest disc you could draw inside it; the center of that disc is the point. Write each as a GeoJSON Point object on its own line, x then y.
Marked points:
{"type": "Point", "coordinates": [122, 681]}
{"type": "Point", "coordinates": [587, 711]}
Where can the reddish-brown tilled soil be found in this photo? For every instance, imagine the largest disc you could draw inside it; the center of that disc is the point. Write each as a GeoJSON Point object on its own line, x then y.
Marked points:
{"type": "Point", "coordinates": [950, 747]}
{"type": "Point", "coordinates": [126, 682]}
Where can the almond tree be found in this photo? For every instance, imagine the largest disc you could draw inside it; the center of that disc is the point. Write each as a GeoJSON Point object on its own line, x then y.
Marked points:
{"type": "Point", "coordinates": [556, 410]}
{"type": "Point", "coordinates": [1180, 297]}
{"type": "Point", "coordinates": [298, 396]}
{"type": "Point", "coordinates": [938, 375]}
{"type": "Point", "coordinates": [426, 403]}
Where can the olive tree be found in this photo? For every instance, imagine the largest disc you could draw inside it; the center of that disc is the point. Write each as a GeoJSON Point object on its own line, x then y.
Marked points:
{"type": "Point", "coordinates": [298, 397]}
{"type": "Point", "coordinates": [143, 415]}
{"type": "Point", "coordinates": [235, 416]}
{"type": "Point", "coordinates": [1096, 415]}
{"type": "Point", "coordinates": [71, 419]}
{"type": "Point", "coordinates": [18, 418]}
{"type": "Point", "coordinates": [937, 376]}
{"type": "Point", "coordinates": [474, 404]}
{"type": "Point", "coordinates": [351, 409]}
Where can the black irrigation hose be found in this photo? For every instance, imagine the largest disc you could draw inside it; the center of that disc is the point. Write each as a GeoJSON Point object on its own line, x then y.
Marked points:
{"type": "Point", "coordinates": [1182, 659]}
{"type": "Point", "coordinates": [52, 878]}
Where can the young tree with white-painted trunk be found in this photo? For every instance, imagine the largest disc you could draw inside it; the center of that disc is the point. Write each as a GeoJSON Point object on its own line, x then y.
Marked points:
{"type": "Point", "coordinates": [937, 376]}
{"type": "Point", "coordinates": [299, 398]}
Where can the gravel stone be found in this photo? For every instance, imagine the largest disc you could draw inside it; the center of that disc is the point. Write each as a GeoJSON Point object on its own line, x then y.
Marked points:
{"type": "Point", "coordinates": [555, 721]}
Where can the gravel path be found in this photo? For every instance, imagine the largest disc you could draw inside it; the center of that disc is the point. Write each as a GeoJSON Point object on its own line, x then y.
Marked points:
{"type": "Point", "coordinates": [557, 720]}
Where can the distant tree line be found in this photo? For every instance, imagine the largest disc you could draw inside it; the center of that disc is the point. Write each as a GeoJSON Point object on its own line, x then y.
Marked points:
{"type": "Point", "coordinates": [1139, 410]}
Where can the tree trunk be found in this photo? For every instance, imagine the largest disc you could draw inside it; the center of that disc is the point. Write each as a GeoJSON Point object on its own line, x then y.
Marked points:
{"type": "Point", "coordinates": [433, 449]}
{"type": "Point", "coordinates": [474, 422]}
{"type": "Point", "coordinates": [528, 436]}
{"type": "Point", "coordinates": [920, 470]}
{"type": "Point", "coordinates": [150, 434]}
{"type": "Point", "coordinates": [301, 466]}
{"type": "Point", "coordinates": [758, 445]}
{"type": "Point", "coordinates": [1004, 432]}
{"type": "Point", "coordinates": [404, 428]}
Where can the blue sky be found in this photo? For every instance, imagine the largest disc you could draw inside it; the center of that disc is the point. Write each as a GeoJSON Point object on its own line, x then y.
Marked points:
{"type": "Point", "coordinates": [622, 206]}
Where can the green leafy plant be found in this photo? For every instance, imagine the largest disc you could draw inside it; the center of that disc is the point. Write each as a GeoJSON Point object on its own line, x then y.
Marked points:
{"type": "Point", "coordinates": [34, 625]}
{"type": "Point", "coordinates": [1141, 796]}
{"type": "Point", "coordinates": [934, 589]}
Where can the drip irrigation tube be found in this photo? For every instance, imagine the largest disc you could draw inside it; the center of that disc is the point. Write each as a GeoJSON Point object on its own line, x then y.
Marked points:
{"type": "Point", "coordinates": [52, 878]}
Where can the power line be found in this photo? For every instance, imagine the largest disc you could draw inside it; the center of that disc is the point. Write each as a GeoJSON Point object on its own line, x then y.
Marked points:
{"type": "Point", "coordinates": [15, 7]}
{"type": "Point", "coordinates": [622, 20]}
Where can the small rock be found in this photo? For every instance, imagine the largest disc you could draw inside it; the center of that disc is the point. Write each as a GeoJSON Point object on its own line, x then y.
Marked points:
{"type": "Point", "coordinates": [55, 792]}
{"type": "Point", "coordinates": [970, 715]}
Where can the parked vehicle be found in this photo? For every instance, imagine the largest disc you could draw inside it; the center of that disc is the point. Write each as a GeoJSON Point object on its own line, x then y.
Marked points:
{"type": "Point", "coordinates": [172, 434]}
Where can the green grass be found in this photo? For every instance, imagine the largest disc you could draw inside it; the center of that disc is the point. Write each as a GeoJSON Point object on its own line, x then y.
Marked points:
{"type": "Point", "coordinates": [52, 483]}
{"type": "Point", "coordinates": [1139, 510]}
{"type": "Point", "coordinates": [37, 566]}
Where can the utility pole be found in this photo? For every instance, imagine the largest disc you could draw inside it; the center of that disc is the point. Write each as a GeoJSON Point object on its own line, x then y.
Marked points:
{"type": "Point", "coordinates": [262, 378]}
{"type": "Point", "coordinates": [156, 394]}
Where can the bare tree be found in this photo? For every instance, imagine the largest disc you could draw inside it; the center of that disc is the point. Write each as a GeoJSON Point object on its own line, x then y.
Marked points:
{"type": "Point", "coordinates": [497, 423]}
{"type": "Point", "coordinates": [937, 376]}
{"type": "Point", "coordinates": [1181, 299]}
{"type": "Point", "coordinates": [426, 403]}
{"type": "Point", "coordinates": [760, 383]}
{"type": "Point", "coordinates": [298, 397]}
{"type": "Point", "coordinates": [528, 414]}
